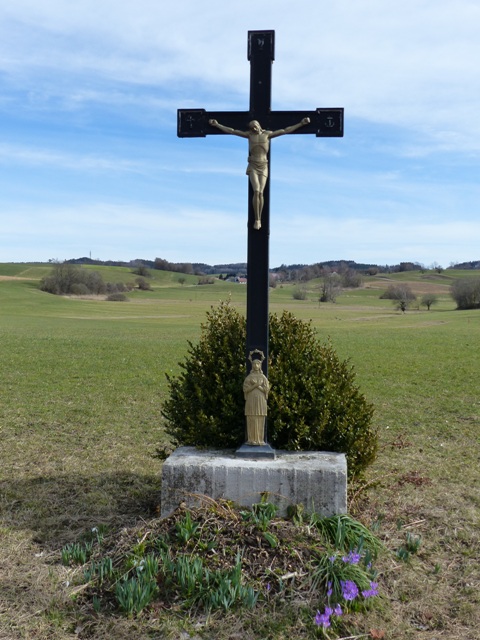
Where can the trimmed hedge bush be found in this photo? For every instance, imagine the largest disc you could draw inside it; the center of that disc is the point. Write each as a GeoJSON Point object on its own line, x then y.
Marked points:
{"type": "Point", "coordinates": [314, 403]}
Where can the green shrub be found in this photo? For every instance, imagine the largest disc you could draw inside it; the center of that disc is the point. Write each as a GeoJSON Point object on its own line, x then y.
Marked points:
{"type": "Point", "coordinates": [205, 407]}
{"type": "Point", "coordinates": [115, 287]}
{"type": "Point", "coordinates": [143, 284]}
{"type": "Point", "coordinates": [142, 270]}
{"type": "Point", "coordinates": [299, 293]}
{"type": "Point", "coordinates": [79, 289]}
{"type": "Point", "coordinates": [400, 291]}
{"type": "Point", "coordinates": [117, 297]}
{"type": "Point", "coordinates": [314, 403]}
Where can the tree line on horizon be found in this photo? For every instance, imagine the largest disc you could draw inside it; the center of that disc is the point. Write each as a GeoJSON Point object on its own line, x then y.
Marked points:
{"type": "Point", "coordinates": [292, 272]}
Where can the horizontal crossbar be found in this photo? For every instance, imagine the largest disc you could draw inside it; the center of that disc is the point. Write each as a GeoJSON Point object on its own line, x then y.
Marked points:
{"type": "Point", "coordinates": [193, 123]}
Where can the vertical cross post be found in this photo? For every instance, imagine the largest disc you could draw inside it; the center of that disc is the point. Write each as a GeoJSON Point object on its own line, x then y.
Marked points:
{"type": "Point", "coordinates": [261, 55]}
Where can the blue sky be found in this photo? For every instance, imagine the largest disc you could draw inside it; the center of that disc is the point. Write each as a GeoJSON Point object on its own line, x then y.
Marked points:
{"type": "Point", "coordinates": [90, 163]}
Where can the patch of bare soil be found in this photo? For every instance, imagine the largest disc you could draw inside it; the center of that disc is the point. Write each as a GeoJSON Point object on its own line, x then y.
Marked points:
{"type": "Point", "coordinates": [418, 287]}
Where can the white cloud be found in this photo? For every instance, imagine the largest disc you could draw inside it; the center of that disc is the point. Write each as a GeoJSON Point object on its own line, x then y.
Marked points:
{"type": "Point", "coordinates": [12, 154]}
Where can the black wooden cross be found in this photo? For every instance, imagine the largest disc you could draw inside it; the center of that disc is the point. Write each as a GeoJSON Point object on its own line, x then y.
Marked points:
{"type": "Point", "coordinates": [194, 123]}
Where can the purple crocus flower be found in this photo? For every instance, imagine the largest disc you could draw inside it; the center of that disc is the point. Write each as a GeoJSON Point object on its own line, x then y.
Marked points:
{"type": "Point", "coordinates": [349, 589]}
{"type": "Point", "coordinates": [322, 619]}
{"type": "Point", "coordinates": [373, 591]}
{"type": "Point", "coordinates": [338, 610]}
{"type": "Point", "coordinates": [353, 557]}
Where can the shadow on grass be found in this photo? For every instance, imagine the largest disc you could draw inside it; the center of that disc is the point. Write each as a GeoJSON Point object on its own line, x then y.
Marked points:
{"type": "Point", "coordinates": [58, 509]}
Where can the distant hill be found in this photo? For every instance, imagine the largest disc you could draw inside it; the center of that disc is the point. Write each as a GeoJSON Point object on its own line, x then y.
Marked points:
{"type": "Point", "coordinates": [113, 263]}
{"type": "Point", "coordinates": [474, 264]}
{"type": "Point", "coordinates": [237, 268]}
{"type": "Point", "coordinates": [231, 269]}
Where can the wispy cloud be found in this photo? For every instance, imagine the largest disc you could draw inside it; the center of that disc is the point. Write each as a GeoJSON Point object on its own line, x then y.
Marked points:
{"type": "Point", "coordinates": [10, 154]}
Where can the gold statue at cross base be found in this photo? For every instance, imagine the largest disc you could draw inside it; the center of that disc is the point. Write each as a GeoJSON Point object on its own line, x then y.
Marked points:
{"type": "Point", "coordinates": [255, 390]}
{"type": "Point", "coordinates": [258, 147]}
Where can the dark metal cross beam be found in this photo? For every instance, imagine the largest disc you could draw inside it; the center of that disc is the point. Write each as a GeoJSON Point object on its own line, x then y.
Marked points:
{"type": "Point", "coordinates": [324, 123]}
{"type": "Point", "coordinates": [195, 123]}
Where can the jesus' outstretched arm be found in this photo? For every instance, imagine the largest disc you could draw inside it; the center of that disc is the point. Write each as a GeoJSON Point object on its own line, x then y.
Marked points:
{"type": "Point", "coordinates": [293, 127]}
{"type": "Point", "coordinates": [233, 132]}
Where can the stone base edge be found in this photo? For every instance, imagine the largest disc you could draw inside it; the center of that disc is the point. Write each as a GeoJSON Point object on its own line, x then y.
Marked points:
{"type": "Point", "coordinates": [315, 479]}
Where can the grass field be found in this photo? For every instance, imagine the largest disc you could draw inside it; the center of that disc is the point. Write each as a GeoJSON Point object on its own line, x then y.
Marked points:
{"type": "Point", "coordinates": [82, 385]}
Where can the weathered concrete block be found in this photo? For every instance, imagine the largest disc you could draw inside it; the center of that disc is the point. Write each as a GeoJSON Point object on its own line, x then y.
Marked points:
{"type": "Point", "coordinates": [316, 479]}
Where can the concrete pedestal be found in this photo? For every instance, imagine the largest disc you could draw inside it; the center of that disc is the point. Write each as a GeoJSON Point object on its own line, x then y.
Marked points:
{"type": "Point", "coordinates": [315, 479]}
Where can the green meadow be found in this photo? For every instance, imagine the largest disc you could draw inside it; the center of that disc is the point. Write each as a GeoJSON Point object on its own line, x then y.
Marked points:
{"type": "Point", "coordinates": [82, 386]}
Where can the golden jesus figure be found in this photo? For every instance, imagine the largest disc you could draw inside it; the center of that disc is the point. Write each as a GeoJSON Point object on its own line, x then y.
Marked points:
{"type": "Point", "coordinates": [258, 147]}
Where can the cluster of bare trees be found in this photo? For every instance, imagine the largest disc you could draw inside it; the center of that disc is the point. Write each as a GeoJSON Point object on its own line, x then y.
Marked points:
{"type": "Point", "coordinates": [403, 297]}
{"type": "Point", "coordinates": [466, 293]}
{"type": "Point", "coordinates": [303, 273]}
{"type": "Point", "coordinates": [71, 279]}
{"type": "Point", "coordinates": [178, 267]}
{"type": "Point", "coordinates": [66, 278]}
